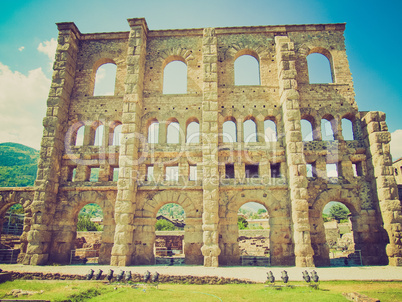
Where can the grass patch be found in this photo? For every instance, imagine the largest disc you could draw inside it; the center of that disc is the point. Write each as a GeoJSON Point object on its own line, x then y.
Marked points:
{"type": "Point", "coordinates": [76, 291]}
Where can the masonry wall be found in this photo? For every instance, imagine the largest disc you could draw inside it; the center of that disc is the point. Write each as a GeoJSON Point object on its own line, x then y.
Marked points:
{"type": "Point", "coordinates": [294, 200]}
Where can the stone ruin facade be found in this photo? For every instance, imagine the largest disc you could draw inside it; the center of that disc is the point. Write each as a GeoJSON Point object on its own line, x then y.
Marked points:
{"type": "Point", "coordinates": [293, 199]}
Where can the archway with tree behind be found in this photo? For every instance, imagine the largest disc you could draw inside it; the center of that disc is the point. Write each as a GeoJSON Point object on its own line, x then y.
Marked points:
{"type": "Point", "coordinates": [169, 231]}
{"type": "Point", "coordinates": [254, 234]}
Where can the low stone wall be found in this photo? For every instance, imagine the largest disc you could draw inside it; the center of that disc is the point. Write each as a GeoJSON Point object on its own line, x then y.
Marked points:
{"type": "Point", "coordinates": [136, 278]}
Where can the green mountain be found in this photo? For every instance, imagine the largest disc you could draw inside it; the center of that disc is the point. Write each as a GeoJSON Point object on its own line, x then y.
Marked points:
{"type": "Point", "coordinates": [18, 165]}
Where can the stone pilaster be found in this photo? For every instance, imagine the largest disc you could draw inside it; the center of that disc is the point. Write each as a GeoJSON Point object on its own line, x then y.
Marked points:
{"type": "Point", "coordinates": [210, 216]}
{"type": "Point", "coordinates": [52, 146]}
{"type": "Point", "coordinates": [128, 166]}
{"type": "Point", "coordinates": [297, 176]}
{"type": "Point", "coordinates": [379, 162]}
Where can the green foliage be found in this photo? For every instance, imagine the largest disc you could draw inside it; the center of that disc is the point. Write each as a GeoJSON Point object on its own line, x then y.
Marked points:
{"type": "Point", "coordinates": [338, 212]}
{"type": "Point", "coordinates": [85, 224]}
{"type": "Point", "coordinates": [16, 209]}
{"type": "Point", "coordinates": [260, 211]}
{"type": "Point", "coordinates": [92, 210]}
{"type": "Point", "coordinates": [18, 165]}
{"type": "Point", "coordinates": [164, 225]}
{"type": "Point", "coordinates": [326, 217]}
{"type": "Point", "coordinates": [241, 222]}
{"type": "Point", "coordinates": [172, 210]}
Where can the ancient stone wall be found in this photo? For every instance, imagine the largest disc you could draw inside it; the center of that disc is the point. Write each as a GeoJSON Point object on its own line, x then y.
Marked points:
{"type": "Point", "coordinates": [280, 181]}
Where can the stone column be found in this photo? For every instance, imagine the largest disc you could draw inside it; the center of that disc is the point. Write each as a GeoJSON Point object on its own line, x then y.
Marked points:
{"type": "Point", "coordinates": [379, 162]}
{"type": "Point", "coordinates": [52, 146]}
{"type": "Point", "coordinates": [128, 161]}
{"type": "Point", "coordinates": [297, 174]}
{"type": "Point", "coordinates": [210, 216]}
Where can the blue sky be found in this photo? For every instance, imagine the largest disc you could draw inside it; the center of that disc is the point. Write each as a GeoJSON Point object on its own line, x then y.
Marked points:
{"type": "Point", "coordinates": [27, 27]}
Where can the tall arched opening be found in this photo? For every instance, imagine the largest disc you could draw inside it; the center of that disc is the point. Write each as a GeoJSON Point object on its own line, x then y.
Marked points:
{"type": "Point", "coordinates": [87, 243]}
{"type": "Point", "coordinates": [332, 234]}
{"type": "Point", "coordinates": [169, 235]}
{"type": "Point", "coordinates": [145, 236]}
{"type": "Point", "coordinates": [253, 234]}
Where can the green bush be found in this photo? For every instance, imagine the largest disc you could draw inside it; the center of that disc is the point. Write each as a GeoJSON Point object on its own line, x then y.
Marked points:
{"type": "Point", "coordinates": [85, 224]}
{"type": "Point", "coordinates": [164, 225]}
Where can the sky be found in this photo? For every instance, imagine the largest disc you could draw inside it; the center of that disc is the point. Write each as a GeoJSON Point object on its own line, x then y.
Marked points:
{"type": "Point", "coordinates": [28, 36]}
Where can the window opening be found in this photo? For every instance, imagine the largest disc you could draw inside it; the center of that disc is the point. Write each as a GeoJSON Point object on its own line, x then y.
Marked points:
{"type": "Point", "coordinates": [251, 171]}
{"type": "Point", "coordinates": [247, 70]}
{"type": "Point", "coordinates": [332, 170]}
{"type": "Point", "coordinates": [326, 130]}
{"type": "Point", "coordinates": [175, 78]}
{"type": "Point", "coordinates": [173, 132]}
{"type": "Point", "coordinates": [307, 130]}
{"type": "Point", "coordinates": [153, 133]}
{"type": "Point", "coordinates": [249, 131]}
{"type": "Point", "coordinates": [270, 131]}
{"type": "Point", "coordinates": [172, 173]}
{"type": "Point", "coordinates": [150, 173]}
{"type": "Point", "coordinates": [193, 173]}
{"type": "Point", "coordinates": [229, 132]}
{"type": "Point", "coordinates": [105, 80]}
{"type": "Point", "coordinates": [276, 170]}
{"type": "Point", "coordinates": [319, 69]}
{"type": "Point", "coordinates": [193, 133]}
{"type": "Point", "coordinates": [347, 130]}
{"type": "Point", "coordinates": [229, 171]}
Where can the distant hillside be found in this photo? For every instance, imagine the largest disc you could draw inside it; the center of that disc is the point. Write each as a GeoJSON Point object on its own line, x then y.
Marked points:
{"type": "Point", "coordinates": [18, 165]}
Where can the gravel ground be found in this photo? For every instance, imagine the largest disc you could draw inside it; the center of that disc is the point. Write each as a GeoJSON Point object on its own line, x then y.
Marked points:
{"type": "Point", "coordinates": [257, 274]}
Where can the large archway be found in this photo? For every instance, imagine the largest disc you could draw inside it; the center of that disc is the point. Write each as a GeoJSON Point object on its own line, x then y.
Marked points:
{"type": "Point", "coordinates": [281, 250]}
{"type": "Point", "coordinates": [145, 231]}
{"type": "Point", "coordinates": [368, 233]}
{"type": "Point", "coordinates": [66, 221]}
{"type": "Point", "coordinates": [15, 223]}
{"type": "Point", "coordinates": [253, 237]}
{"type": "Point", "coordinates": [169, 231]}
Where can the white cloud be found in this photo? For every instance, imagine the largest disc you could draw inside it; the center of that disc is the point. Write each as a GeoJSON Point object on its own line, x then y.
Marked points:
{"type": "Point", "coordinates": [21, 48]}
{"type": "Point", "coordinates": [48, 48]}
{"type": "Point", "coordinates": [396, 144]}
{"type": "Point", "coordinates": [22, 105]}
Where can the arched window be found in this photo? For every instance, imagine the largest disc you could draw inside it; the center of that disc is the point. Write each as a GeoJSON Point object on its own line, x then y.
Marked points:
{"type": "Point", "coordinates": [347, 130]}
{"type": "Point", "coordinates": [247, 70]}
{"type": "Point", "coordinates": [79, 139]}
{"type": "Point", "coordinates": [117, 135]}
{"type": "Point", "coordinates": [327, 132]}
{"type": "Point", "coordinates": [175, 78]}
{"type": "Point", "coordinates": [173, 133]}
{"type": "Point", "coordinates": [306, 130]}
{"type": "Point", "coordinates": [193, 133]}
{"type": "Point", "coordinates": [249, 131]}
{"type": "Point", "coordinates": [229, 132]}
{"type": "Point", "coordinates": [319, 69]}
{"type": "Point", "coordinates": [105, 79]}
{"type": "Point", "coordinates": [98, 141]}
{"type": "Point", "coordinates": [270, 133]}
{"type": "Point", "coordinates": [153, 132]}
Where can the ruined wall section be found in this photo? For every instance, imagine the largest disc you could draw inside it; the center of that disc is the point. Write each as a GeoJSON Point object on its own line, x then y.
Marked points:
{"type": "Point", "coordinates": [123, 247]}
{"type": "Point", "coordinates": [52, 147]}
{"type": "Point", "coordinates": [386, 201]}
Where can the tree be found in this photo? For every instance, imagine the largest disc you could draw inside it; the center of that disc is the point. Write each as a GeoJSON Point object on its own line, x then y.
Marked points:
{"type": "Point", "coordinates": [85, 224]}
{"type": "Point", "coordinates": [260, 211]}
{"type": "Point", "coordinates": [164, 225]}
{"type": "Point", "coordinates": [338, 212]}
{"type": "Point", "coordinates": [241, 222]}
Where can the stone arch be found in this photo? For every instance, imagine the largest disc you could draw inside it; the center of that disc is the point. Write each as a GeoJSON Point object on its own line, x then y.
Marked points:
{"type": "Point", "coordinates": [144, 234]}
{"type": "Point", "coordinates": [281, 246]}
{"type": "Point", "coordinates": [95, 68]}
{"type": "Point", "coordinates": [66, 217]}
{"type": "Point", "coordinates": [175, 54]}
{"type": "Point", "coordinates": [301, 64]}
{"type": "Point", "coordinates": [25, 198]}
{"type": "Point", "coordinates": [317, 231]}
{"type": "Point", "coordinates": [164, 197]}
{"type": "Point", "coordinates": [251, 48]}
